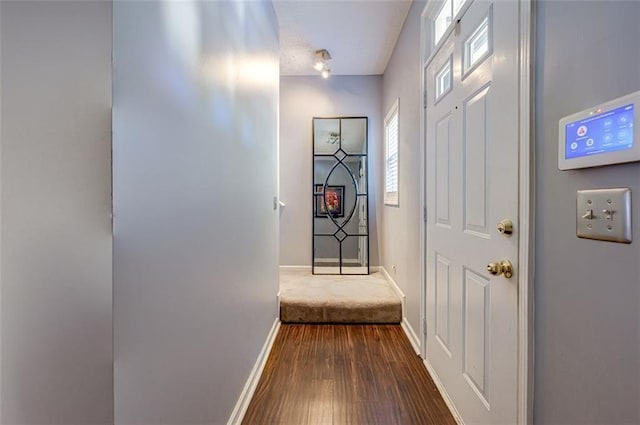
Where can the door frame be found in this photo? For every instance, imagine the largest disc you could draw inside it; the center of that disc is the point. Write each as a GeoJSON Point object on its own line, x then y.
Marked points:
{"type": "Point", "coordinates": [526, 201]}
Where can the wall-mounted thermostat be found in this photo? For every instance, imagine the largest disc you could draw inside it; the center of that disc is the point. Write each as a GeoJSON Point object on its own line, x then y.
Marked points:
{"type": "Point", "coordinates": [604, 134]}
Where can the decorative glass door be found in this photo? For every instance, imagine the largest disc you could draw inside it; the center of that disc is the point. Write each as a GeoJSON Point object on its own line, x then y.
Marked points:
{"type": "Point", "coordinates": [340, 196]}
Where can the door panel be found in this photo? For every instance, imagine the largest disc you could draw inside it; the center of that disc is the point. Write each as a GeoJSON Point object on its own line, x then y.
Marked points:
{"type": "Point", "coordinates": [475, 332]}
{"type": "Point", "coordinates": [472, 184]}
{"type": "Point", "coordinates": [476, 191]}
{"type": "Point", "coordinates": [443, 159]}
{"type": "Point", "coordinates": [443, 301]}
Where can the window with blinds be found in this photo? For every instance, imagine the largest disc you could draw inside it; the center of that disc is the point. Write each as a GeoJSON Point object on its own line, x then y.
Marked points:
{"type": "Point", "coordinates": [391, 156]}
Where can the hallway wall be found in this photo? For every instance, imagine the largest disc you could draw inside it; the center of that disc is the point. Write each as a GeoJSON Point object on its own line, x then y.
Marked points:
{"type": "Point", "coordinates": [56, 277]}
{"type": "Point", "coordinates": [400, 225]}
{"type": "Point", "coordinates": [301, 99]}
{"type": "Point", "coordinates": [195, 230]}
{"type": "Point", "coordinates": [587, 293]}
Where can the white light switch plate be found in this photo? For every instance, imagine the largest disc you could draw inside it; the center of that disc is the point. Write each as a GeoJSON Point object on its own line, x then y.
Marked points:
{"type": "Point", "coordinates": [604, 214]}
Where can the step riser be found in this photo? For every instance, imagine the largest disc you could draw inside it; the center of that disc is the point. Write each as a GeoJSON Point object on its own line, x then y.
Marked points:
{"type": "Point", "coordinates": [299, 313]}
{"type": "Point", "coordinates": [307, 298]}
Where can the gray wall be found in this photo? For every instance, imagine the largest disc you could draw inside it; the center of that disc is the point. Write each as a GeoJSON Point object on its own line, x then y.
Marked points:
{"type": "Point", "coordinates": [400, 226]}
{"type": "Point", "coordinates": [301, 99]}
{"type": "Point", "coordinates": [56, 204]}
{"type": "Point", "coordinates": [587, 293]}
{"type": "Point", "coordinates": [195, 232]}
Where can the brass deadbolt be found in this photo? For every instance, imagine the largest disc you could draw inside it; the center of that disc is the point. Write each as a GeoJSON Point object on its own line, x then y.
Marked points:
{"type": "Point", "coordinates": [505, 227]}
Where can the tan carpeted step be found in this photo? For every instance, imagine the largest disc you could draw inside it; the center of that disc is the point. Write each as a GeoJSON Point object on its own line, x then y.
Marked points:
{"type": "Point", "coordinates": [307, 298]}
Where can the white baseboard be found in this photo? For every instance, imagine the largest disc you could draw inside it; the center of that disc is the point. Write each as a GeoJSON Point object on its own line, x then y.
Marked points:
{"type": "Point", "coordinates": [411, 335]}
{"type": "Point", "coordinates": [443, 392]}
{"type": "Point", "coordinates": [394, 286]}
{"type": "Point", "coordinates": [295, 268]}
{"type": "Point", "coordinates": [337, 260]}
{"type": "Point", "coordinates": [406, 326]}
{"type": "Point", "coordinates": [372, 269]}
{"type": "Point", "coordinates": [252, 382]}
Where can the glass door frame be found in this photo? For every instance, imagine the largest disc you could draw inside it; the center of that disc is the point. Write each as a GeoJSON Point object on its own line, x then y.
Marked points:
{"type": "Point", "coordinates": [358, 194]}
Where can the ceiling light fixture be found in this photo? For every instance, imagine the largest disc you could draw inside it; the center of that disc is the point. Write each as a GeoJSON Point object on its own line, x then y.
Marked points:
{"type": "Point", "coordinates": [334, 138]}
{"type": "Point", "coordinates": [322, 58]}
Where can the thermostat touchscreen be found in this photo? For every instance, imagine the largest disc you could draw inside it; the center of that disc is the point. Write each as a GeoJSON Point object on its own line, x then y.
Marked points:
{"type": "Point", "coordinates": [608, 131]}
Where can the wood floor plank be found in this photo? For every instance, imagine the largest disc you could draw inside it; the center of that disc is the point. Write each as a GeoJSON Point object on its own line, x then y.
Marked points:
{"type": "Point", "coordinates": [321, 405]}
{"type": "Point", "coordinates": [345, 375]}
{"type": "Point", "coordinates": [411, 374]}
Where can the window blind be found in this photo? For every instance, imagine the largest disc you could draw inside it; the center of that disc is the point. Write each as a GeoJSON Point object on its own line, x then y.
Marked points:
{"type": "Point", "coordinates": [391, 156]}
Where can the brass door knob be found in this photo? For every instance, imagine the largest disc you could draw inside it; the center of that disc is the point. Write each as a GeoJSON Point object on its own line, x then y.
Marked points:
{"type": "Point", "coordinates": [504, 267]}
{"type": "Point", "coordinates": [505, 227]}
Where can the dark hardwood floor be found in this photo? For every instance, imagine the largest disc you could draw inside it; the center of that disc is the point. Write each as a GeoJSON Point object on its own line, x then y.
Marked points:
{"type": "Point", "coordinates": [345, 374]}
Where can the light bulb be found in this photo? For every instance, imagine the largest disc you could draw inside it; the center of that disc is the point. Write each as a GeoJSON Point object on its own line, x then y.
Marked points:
{"type": "Point", "coordinates": [325, 73]}
{"type": "Point", "coordinates": [318, 66]}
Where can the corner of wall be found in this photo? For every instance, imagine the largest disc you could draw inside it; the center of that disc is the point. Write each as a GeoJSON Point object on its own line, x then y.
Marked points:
{"type": "Point", "coordinates": [406, 325]}
{"type": "Point", "coordinates": [250, 386]}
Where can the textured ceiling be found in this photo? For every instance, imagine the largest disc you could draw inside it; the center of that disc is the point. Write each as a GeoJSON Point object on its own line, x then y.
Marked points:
{"type": "Point", "coordinates": [360, 35]}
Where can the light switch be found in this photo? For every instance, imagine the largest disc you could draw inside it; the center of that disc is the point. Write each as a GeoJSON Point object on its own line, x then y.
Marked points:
{"type": "Point", "coordinates": [604, 214]}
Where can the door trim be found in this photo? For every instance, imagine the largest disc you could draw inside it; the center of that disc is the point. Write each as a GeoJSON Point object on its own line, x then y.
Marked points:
{"type": "Point", "coordinates": [526, 203]}
{"type": "Point", "coordinates": [526, 216]}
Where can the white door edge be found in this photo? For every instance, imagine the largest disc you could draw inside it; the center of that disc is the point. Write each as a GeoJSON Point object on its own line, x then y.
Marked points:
{"type": "Point", "coordinates": [423, 197]}
{"type": "Point", "coordinates": [526, 210]}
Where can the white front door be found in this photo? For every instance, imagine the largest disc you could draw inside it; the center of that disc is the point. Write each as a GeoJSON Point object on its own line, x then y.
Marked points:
{"type": "Point", "coordinates": [472, 184]}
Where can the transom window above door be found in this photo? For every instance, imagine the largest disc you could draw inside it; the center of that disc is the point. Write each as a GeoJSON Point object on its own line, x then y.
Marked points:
{"type": "Point", "coordinates": [443, 18]}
